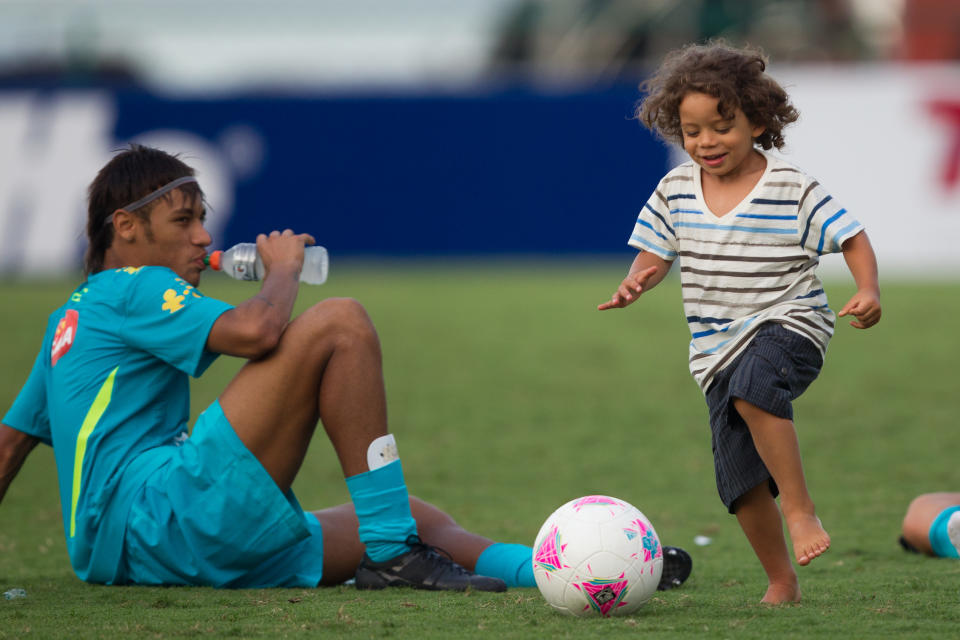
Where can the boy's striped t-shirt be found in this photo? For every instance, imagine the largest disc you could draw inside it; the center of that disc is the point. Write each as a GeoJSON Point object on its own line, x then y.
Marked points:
{"type": "Point", "coordinates": [752, 265]}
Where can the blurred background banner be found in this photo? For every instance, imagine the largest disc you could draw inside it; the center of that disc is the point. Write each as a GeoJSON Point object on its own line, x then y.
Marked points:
{"type": "Point", "coordinates": [478, 173]}
{"type": "Point", "coordinates": [424, 128]}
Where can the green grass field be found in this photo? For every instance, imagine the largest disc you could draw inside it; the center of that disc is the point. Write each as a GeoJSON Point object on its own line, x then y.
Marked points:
{"type": "Point", "coordinates": [509, 395]}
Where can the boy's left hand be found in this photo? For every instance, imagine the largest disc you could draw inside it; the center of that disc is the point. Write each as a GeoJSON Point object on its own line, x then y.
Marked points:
{"type": "Point", "coordinates": [865, 307]}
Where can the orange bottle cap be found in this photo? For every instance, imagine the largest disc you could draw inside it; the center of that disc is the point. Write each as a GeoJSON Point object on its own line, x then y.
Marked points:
{"type": "Point", "coordinates": [214, 260]}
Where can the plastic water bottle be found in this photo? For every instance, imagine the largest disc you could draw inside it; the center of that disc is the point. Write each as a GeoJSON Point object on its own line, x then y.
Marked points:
{"type": "Point", "coordinates": [14, 594]}
{"type": "Point", "coordinates": [243, 263]}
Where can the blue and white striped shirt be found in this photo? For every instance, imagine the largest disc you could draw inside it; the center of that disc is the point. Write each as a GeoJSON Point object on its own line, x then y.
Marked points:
{"type": "Point", "coordinates": [752, 265]}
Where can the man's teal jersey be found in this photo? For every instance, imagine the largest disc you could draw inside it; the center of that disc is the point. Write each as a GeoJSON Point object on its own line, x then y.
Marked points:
{"type": "Point", "coordinates": [110, 392]}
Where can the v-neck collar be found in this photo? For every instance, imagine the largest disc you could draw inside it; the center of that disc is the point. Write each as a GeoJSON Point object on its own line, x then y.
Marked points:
{"type": "Point", "coordinates": [698, 187]}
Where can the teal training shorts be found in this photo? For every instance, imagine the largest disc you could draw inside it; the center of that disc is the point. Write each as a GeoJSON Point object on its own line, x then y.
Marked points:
{"type": "Point", "coordinates": [939, 539]}
{"type": "Point", "coordinates": [213, 516]}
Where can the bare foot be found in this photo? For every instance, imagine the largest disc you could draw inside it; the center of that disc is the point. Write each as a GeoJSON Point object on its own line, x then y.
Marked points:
{"type": "Point", "coordinates": [808, 536]}
{"type": "Point", "coordinates": [782, 593]}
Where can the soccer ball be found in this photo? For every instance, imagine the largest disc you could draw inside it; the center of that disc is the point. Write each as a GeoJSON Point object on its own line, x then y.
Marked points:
{"type": "Point", "coordinates": [597, 556]}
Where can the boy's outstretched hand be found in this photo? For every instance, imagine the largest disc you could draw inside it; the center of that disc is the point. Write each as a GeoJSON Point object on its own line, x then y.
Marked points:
{"type": "Point", "coordinates": [865, 307]}
{"type": "Point", "coordinates": [630, 289]}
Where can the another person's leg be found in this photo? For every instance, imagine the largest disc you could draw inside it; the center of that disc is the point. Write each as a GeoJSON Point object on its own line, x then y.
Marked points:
{"type": "Point", "coordinates": [776, 442]}
{"type": "Point", "coordinates": [760, 519]}
{"type": "Point", "coordinates": [343, 551]}
{"type": "Point", "coordinates": [923, 511]}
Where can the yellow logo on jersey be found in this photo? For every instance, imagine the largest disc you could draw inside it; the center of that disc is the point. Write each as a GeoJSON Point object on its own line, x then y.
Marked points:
{"type": "Point", "coordinates": [188, 289]}
{"type": "Point", "coordinates": [171, 301]}
{"type": "Point", "coordinates": [130, 270]}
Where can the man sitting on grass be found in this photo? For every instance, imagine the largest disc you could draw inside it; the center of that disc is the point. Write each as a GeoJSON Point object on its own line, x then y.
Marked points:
{"type": "Point", "coordinates": [143, 503]}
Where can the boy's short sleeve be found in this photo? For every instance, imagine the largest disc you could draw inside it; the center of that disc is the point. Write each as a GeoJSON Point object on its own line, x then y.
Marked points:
{"type": "Point", "coordinates": [824, 224]}
{"type": "Point", "coordinates": [169, 318]}
{"type": "Point", "coordinates": [653, 231]}
{"type": "Point", "coordinates": [29, 411]}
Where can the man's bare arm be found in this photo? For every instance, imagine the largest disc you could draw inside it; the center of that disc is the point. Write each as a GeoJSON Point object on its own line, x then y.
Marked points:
{"type": "Point", "coordinates": [14, 447]}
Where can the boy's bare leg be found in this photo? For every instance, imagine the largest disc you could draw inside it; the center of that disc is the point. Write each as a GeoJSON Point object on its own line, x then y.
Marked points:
{"type": "Point", "coordinates": [762, 523]}
{"type": "Point", "coordinates": [776, 442]}
{"type": "Point", "coordinates": [274, 403]}
{"type": "Point", "coordinates": [343, 549]}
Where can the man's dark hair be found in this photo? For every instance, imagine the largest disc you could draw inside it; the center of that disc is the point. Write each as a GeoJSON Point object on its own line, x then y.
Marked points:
{"type": "Point", "coordinates": [734, 76]}
{"type": "Point", "coordinates": [130, 175]}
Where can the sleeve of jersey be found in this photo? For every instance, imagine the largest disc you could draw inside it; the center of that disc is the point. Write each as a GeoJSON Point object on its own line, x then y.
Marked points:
{"type": "Point", "coordinates": [653, 230]}
{"type": "Point", "coordinates": [168, 317]}
{"type": "Point", "coordinates": [824, 224]}
{"type": "Point", "coordinates": [29, 411]}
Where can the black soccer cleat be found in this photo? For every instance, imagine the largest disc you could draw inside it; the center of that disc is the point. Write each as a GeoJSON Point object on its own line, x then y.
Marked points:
{"type": "Point", "coordinates": [422, 568]}
{"type": "Point", "coordinates": [677, 565]}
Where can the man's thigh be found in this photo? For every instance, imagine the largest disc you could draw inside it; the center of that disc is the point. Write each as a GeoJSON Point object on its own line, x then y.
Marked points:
{"type": "Point", "coordinates": [273, 403]}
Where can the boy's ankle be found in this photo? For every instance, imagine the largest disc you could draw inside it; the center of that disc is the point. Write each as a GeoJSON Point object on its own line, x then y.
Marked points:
{"type": "Point", "coordinates": [782, 593]}
{"type": "Point", "coordinates": [797, 508]}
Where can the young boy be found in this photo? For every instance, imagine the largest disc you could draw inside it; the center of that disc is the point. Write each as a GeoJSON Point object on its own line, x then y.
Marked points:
{"type": "Point", "coordinates": [748, 230]}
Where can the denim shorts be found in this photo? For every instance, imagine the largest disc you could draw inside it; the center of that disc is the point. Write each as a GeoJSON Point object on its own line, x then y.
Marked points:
{"type": "Point", "coordinates": [776, 367]}
{"type": "Point", "coordinates": [213, 516]}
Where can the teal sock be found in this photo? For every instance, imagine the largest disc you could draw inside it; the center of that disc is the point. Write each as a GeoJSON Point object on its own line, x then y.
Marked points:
{"type": "Point", "coordinates": [512, 563]}
{"type": "Point", "coordinates": [383, 509]}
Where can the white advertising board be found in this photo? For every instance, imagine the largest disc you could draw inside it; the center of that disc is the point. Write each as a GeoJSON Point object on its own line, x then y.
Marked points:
{"type": "Point", "coordinates": [885, 141]}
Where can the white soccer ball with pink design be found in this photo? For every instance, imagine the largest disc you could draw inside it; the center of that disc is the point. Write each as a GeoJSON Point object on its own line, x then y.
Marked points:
{"type": "Point", "coordinates": [597, 556]}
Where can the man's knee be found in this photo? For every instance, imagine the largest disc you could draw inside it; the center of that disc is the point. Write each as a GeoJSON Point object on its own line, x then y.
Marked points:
{"type": "Point", "coordinates": [339, 322]}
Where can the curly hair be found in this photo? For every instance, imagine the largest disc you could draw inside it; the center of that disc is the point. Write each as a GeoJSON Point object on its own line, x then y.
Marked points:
{"type": "Point", "coordinates": [734, 76]}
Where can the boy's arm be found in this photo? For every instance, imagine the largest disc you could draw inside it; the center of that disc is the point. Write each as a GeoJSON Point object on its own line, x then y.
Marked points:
{"type": "Point", "coordinates": [253, 328]}
{"type": "Point", "coordinates": [865, 303]}
{"type": "Point", "coordinates": [14, 447]}
{"type": "Point", "coordinates": [646, 272]}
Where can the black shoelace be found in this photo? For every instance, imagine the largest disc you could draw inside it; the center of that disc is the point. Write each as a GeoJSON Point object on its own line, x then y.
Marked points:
{"type": "Point", "coordinates": [436, 554]}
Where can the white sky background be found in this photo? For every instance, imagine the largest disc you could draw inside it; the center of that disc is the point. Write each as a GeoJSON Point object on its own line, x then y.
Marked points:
{"type": "Point", "coordinates": [224, 45]}
{"type": "Point", "coordinates": [231, 44]}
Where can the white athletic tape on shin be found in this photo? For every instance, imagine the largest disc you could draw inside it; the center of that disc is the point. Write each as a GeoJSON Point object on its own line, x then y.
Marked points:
{"type": "Point", "coordinates": [382, 451]}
